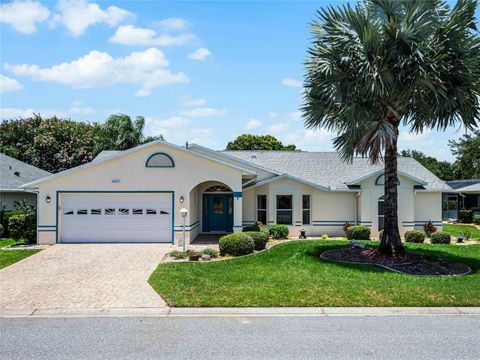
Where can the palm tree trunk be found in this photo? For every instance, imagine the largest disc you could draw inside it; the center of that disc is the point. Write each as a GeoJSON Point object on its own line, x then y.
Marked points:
{"type": "Point", "coordinates": [391, 243]}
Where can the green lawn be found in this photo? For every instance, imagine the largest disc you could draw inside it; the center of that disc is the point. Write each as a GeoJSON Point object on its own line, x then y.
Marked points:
{"type": "Point", "coordinates": [8, 257]}
{"type": "Point", "coordinates": [292, 274]}
{"type": "Point", "coordinates": [459, 230]}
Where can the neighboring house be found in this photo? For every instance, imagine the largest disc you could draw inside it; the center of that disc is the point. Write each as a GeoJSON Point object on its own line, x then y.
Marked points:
{"type": "Point", "coordinates": [14, 173]}
{"type": "Point", "coordinates": [465, 195]}
{"type": "Point", "coordinates": [136, 195]}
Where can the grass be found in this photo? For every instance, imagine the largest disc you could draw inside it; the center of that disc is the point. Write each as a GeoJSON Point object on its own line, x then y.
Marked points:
{"type": "Point", "coordinates": [9, 257]}
{"type": "Point", "coordinates": [458, 230]}
{"type": "Point", "coordinates": [292, 274]}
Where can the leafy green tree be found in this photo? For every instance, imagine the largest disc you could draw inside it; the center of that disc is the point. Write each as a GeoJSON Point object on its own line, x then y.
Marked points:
{"type": "Point", "coordinates": [443, 169]}
{"type": "Point", "coordinates": [50, 144]}
{"type": "Point", "coordinates": [385, 63]}
{"type": "Point", "coordinates": [258, 142]}
{"type": "Point", "coordinates": [119, 132]}
{"type": "Point", "coordinates": [467, 151]}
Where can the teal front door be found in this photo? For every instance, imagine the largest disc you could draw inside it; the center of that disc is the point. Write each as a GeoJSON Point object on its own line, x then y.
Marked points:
{"type": "Point", "coordinates": [218, 212]}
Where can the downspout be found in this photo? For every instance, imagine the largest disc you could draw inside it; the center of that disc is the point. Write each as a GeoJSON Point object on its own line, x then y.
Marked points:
{"type": "Point", "coordinates": [357, 195]}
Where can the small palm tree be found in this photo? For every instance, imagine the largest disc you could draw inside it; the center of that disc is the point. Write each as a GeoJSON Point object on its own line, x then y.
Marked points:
{"type": "Point", "coordinates": [384, 64]}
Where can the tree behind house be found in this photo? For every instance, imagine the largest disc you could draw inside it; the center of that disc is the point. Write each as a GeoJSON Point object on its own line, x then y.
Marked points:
{"type": "Point", "coordinates": [258, 142]}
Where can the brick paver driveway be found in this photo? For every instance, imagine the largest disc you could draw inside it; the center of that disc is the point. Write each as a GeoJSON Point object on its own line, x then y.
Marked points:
{"type": "Point", "coordinates": [83, 276]}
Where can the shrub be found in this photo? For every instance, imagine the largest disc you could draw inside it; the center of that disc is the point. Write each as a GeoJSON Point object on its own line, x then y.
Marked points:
{"type": "Point", "coordinates": [380, 235]}
{"type": "Point", "coordinates": [325, 236]}
{"type": "Point", "coordinates": [179, 254]}
{"type": "Point", "coordinates": [211, 252]}
{"type": "Point", "coordinates": [440, 237]}
{"type": "Point", "coordinates": [278, 231]}
{"type": "Point", "coordinates": [465, 216]}
{"type": "Point", "coordinates": [476, 219]}
{"type": "Point", "coordinates": [467, 235]}
{"type": "Point", "coordinates": [1, 231]}
{"type": "Point", "coordinates": [345, 228]}
{"type": "Point", "coordinates": [414, 236]}
{"type": "Point", "coordinates": [251, 228]}
{"type": "Point", "coordinates": [429, 228]}
{"type": "Point", "coordinates": [358, 232]}
{"type": "Point", "coordinates": [260, 238]}
{"type": "Point", "coordinates": [236, 244]}
{"type": "Point", "coordinates": [5, 216]}
{"type": "Point", "coordinates": [23, 227]}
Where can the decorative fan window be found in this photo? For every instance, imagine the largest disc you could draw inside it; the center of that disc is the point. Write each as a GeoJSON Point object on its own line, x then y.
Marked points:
{"type": "Point", "coordinates": [381, 180]}
{"type": "Point", "coordinates": [218, 188]}
{"type": "Point", "coordinates": [160, 160]}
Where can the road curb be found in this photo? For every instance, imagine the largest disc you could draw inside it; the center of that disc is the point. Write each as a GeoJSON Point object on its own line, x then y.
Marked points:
{"type": "Point", "coordinates": [230, 312]}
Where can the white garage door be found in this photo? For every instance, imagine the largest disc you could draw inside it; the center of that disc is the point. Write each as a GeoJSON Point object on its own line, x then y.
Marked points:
{"type": "Point", "coordinates": [115, 217]}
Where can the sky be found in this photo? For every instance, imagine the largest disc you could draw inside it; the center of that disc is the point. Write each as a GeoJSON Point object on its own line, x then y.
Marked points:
{"type": "Point", "coordinates": [202, 72]}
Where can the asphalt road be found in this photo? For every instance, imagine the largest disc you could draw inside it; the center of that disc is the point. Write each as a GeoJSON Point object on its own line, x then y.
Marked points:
{"type": "Point", "coordinates": [289, 337]}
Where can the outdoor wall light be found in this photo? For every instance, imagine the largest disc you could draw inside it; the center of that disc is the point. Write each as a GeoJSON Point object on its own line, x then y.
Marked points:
{"type": "Point", "coordinates": [48, 199]}
{"type": "Point", "coordinates": [181, 199]}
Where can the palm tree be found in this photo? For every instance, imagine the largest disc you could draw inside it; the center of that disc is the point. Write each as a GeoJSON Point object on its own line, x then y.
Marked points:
{"type": "Point", "coordinates": [384, 64]}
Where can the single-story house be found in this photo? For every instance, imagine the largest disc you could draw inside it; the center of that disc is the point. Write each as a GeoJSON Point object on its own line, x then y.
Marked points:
{"type": "Point", "coordinates": [465, 194]}
{"type": "Point", "coordinates": [136, 195]}
{"type": "Point", "coordinates": [14, 173]}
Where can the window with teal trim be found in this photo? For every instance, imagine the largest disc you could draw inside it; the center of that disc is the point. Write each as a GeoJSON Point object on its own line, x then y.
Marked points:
{"type": "Point", "coordinates": [160, 160]}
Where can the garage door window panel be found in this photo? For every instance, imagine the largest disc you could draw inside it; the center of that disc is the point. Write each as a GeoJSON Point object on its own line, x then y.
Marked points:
{"type": "Point", "coordinates": [82, 211]}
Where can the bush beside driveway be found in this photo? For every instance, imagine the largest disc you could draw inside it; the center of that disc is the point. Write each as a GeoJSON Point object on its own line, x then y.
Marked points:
{"type": "Point", "coordinates": [292, 274]}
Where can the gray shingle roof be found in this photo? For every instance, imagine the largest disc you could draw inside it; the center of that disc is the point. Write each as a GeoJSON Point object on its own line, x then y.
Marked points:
{"type": "Point", "coordinates": [14, 173]}
{"type": "Point", "coordinates": [327, 168]}
{"type": "Point", "coordinates": [460, 184]}
{"type": "Point", "coordinates": [470, 189]}
{"type": "Point", "coordinates": [105, 153]}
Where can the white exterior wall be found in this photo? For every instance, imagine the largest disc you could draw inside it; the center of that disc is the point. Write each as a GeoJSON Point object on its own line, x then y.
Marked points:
{"type": "Point", "coordinates": [189, 171]}
{"type": "Point", "coordinates": [428, 206]}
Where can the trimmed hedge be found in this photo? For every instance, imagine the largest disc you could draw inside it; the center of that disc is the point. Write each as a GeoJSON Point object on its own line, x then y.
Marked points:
{"type": "Point", "coordinates": [278, 231]}
{"type": "Point", "coordinates": [23, 227]}
{"type": "Point", "coordinates": [358, 232]}
{"type": "Point", "coordinates": [465, 216]}
{"type": "Point", "coordinates": [476, 219]}
{"type": "Point", "coordinates": [440, 237]}
{"type": "Point", "coordinates": [260, 238]}
{"type": "Point", "coordinates": [251, 228]}
{"type": "Point", "coordinates": [414, 236]}
{"type": "Point", "coordinates": [4, 218]}
{"type": "Point", "coordinates": [236, 244]}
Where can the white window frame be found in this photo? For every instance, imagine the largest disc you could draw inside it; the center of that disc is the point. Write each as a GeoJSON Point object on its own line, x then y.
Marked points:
{"type": "Point", "coordinates": [309, 209]}
{"type": "Point", "coordinates": [260, 209]}
{"type": "Point", "coordinates": [277, 209]}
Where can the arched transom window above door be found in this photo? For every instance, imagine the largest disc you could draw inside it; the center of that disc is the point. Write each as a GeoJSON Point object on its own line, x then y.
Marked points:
{"type": "Point", "coordinates": [160, 160]}
{"type": "Point", "coordinates": [218, 188]}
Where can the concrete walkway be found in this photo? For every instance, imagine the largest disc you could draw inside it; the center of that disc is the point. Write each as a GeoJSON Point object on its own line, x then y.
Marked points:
{"type": "Point", "coordinates": [83, 276]}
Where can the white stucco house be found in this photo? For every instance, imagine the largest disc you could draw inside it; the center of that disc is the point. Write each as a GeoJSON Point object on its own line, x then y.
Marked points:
{"type": "Point", "coordinates": [136, 195]}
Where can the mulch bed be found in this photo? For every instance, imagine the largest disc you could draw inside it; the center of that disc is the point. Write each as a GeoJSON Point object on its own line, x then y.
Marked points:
{"type": "Point", "coordinates": [413, 264]}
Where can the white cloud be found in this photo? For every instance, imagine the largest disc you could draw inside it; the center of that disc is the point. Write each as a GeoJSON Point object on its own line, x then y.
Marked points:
{"type": "Point", "coordinates": [292, 83]}
{"type": "Point", "coordinates": [81, 110]}
{"type": "Point", "coordinates": [278, 128]}
{"type": "Point", "coordinates": [14, 113]}
{"type": "Point", "coordinates": [294, 116]}
{"type": "Point", "coordinates": [148, 69]}
{"type": "Point", "coordinates": [78, 15]}
{"type": "Point", "coordinates": [272, 115]}
{"type": "Point", "coordinates": [311, 139]}
{"type": "Point", "coordinates": [143, 93]}
{"type": "Point", "coordinates": [173, 24]}
{"type": "Point", "coordinates": [253, 124]}
{"type": "Point", "coordinates": [8, 84]}
{"type": "Point", "coordinates": [200, 54]}
{"type": "Point", "coordinates": [23, 16]}
{"type": "Point", "coordinates": [173, 122]}
{"type": "Point", "coordinates": [205, 111]}
{"type": "Point", "coordinates": [135, 36]}
{"type": "Point", "coordinates": [188, 101]}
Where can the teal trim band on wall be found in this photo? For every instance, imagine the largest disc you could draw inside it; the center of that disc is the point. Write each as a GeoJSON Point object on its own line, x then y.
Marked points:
{"type": "Point", "coordinates": [42, 226]}
{"type": "Point", "coordinates": [58, 192]}
{"type": "Point", "coordinates": [237, 194]}
{"type": "Point", "coordinates": [47, 230]}
{"type": "Point", "coordinates": [172, 163]}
